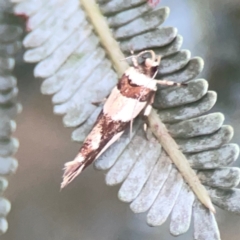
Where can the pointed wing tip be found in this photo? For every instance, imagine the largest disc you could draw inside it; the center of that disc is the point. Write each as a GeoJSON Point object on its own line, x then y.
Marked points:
{"type": "Point", "coordinates": [64, 183]}
{"type": "Point", "coordinates": [71, 171]}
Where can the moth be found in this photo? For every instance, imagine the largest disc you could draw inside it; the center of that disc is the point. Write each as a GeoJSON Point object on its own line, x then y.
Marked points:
{"type": "Point", "coordinates": [134, 94]}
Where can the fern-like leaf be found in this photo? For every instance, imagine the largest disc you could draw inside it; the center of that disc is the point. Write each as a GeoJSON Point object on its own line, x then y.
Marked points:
{"type": "Point", "coordinates": [76, 70]}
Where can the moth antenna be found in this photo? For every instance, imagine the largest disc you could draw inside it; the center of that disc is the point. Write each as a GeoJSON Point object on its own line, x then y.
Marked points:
{"type": "Point", "coordinates": [153, 55]}
{"type": "Point", "coordinates": [134, 60]}
{"type": "Point", "coordinates": [123, 59]}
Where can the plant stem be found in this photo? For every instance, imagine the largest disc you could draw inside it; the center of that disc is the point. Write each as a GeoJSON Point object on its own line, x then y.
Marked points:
{"type": "Point", "coordinates": [105, 35]}
{"type": "Point", "coordinates": [182, 164]}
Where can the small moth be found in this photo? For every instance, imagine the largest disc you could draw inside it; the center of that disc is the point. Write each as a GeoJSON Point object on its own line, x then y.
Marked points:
{"type": "Point", "coordinates": [133, 94]}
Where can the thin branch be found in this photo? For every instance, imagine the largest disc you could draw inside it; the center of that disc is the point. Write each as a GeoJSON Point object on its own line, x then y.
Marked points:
{"type": "Point", "coordinates": [172, 149]}
{"type": "Point", "coordinates": [105, 35]}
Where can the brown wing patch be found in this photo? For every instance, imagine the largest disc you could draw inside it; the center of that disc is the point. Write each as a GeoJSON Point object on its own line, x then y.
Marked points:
{"type": "Point", "coordinates": [106, 128]}
{"type": "Point", "coordinates": [102, 135]}
{"type": "Point", "coordinates": [131, 90]}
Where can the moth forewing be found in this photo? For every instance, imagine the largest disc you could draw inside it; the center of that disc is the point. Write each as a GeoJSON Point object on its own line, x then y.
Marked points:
{"type": "Point", "coordinates": [134, 91]}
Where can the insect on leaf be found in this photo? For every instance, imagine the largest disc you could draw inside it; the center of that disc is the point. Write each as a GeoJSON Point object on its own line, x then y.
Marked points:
{"type": "Point", "coordinates": [149, 181]}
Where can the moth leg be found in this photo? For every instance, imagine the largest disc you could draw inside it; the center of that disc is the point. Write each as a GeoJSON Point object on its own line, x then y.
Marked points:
{"type": "Point", "coordinates": [148, 107]}
{"type": "Point", "coordinates": [147, 110]}
{"type": "Point", "coordinates": [146, 129]}
{"type": "Point", "coordinates": [131, 126]}
{"type": "Point", "coordinates": [98, 103]}
{"type": "Point", "coordinates": [170, 83]}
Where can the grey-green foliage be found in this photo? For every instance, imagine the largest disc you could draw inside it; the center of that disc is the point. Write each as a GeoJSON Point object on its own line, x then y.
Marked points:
{"type": "Point", "coordinates": [10, 43]}
{"type": "Point", "coordinates": [76, 72]}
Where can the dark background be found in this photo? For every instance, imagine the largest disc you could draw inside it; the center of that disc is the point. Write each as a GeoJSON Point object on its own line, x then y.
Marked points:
{"type": "Point", "coordinates": [88, 209]}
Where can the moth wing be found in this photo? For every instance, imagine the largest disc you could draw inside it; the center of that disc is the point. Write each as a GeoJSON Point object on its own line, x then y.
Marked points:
{"type": "Point", "coordinates": [123, 103]}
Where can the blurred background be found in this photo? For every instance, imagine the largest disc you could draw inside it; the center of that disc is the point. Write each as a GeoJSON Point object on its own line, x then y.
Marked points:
{"type": "Point", "coordinates": [87, 209]}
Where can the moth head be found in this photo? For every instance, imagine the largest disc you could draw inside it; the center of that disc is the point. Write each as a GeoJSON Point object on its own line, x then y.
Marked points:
{"type": "Point", "coordinates": [149, 64]}
{"type": "Point", "coordinates": [146, 62]}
